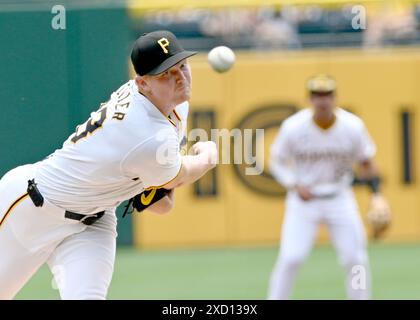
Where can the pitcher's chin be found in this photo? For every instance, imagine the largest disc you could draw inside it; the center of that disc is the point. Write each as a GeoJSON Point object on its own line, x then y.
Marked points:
{"type": "Point", "coordinates": [186, 96]}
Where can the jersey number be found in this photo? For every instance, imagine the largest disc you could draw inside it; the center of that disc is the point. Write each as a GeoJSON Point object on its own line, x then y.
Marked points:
{"type": "Point", "coordinates": [93, 123]}
{"type": "Point", "coordinates": [97, 118]}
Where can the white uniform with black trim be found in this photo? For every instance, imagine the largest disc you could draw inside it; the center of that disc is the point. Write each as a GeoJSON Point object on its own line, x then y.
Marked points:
{"type": "Point", "coordinates": [305, 154]}
{"type": "Point", "coordinates": [126, 146]}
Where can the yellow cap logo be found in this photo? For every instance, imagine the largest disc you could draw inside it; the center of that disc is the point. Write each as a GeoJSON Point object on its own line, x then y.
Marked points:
{"type": "Point", "coordinates": [164, 43]}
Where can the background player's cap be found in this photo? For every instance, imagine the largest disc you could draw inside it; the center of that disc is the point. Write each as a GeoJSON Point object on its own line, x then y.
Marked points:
{"type": "Point", "coordinates": [321, 83]}
{"type": "Point", "coordinates": [156, 52]}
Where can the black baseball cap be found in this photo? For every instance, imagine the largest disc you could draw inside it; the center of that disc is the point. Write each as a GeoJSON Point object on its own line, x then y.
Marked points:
{"type": "Point", "coordinates": [156, 52]}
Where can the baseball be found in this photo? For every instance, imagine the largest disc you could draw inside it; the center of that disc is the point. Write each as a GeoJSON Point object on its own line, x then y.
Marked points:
{"type": "Point", "coordinates": [221, 58]}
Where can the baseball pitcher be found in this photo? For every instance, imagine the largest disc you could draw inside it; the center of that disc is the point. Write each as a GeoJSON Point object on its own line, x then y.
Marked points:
{"type": "Point", "coordinates": [61, 210]}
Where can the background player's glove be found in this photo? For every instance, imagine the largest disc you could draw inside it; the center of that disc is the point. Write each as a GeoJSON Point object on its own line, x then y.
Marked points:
{"type": "Point", "coordinates": [379, 215]}
{"type": "Point", "coordinates": [146, 199]}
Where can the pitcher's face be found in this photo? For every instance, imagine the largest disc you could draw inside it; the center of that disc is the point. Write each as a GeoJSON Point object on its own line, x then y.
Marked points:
{"type": "Point", "coordinates": [172, 86]}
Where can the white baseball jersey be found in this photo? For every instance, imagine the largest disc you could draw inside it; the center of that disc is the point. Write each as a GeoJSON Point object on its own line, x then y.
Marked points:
{"type": "Point", "coordinates": [124, 147]}
{"type": "Point", "coordinates": [322, 159]}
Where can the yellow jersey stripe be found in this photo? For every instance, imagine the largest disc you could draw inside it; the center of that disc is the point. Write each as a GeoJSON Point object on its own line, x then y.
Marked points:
{"type": "Point", "coordinates": [177, 115]}
{"type": "Point", "coordinates": [14, 204]}
{"type": "Point", "coordinates": [163, 185]}
{"type": "Point", "coordinates": [171, 121]}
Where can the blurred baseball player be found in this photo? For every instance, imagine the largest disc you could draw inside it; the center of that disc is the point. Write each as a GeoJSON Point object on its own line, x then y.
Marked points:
{"type": "Point", "coordinates": [313, 157]}
{"type": "Point", "coordinates": [62, 210]}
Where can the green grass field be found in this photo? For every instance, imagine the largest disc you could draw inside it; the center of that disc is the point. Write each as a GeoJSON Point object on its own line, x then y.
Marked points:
{"type": "Point", "coordinates": [243, 274]}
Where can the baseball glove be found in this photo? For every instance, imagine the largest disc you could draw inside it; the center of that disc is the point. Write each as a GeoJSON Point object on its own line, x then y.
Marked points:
{"type": "Point", "coordinates": [379, 215]}
{"type": "Point", "coordinates": [145, 199]}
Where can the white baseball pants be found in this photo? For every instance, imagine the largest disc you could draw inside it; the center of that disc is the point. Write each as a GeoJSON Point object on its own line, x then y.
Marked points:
{"type": "Point", "coordinates": [299, 231]}
{"type": "Point", "coordinates": [81, 257]}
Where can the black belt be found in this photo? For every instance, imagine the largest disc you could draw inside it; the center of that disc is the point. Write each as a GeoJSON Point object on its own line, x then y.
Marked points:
{"type": "Point", "coordinates": [38, 201]}
{"type": "Point", "coordinates": [86, 219]}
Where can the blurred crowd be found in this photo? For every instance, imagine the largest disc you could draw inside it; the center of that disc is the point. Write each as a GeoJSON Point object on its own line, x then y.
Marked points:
{"type": "Point", "coordinates": [291, 27]}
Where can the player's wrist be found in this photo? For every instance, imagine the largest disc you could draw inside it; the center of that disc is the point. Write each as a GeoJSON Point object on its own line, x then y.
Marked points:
{"type": "Point", "coordinates": [374, 184]}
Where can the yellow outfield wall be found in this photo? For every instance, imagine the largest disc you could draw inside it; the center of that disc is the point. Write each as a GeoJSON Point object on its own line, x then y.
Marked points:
{"type": "Point", "coordinates": [259, 92]}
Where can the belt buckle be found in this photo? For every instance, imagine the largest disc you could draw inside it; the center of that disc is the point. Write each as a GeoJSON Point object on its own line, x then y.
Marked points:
{"type": "Point", "coordinates": [87, 217]}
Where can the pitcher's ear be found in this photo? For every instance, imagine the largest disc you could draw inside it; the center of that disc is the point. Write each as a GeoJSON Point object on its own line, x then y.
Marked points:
{"type": "Point", "coordinates": [142, 83]}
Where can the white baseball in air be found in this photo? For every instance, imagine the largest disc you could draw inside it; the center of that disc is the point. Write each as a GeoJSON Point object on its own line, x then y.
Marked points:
{"type": "Point", "coordinates": [221, 58]}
